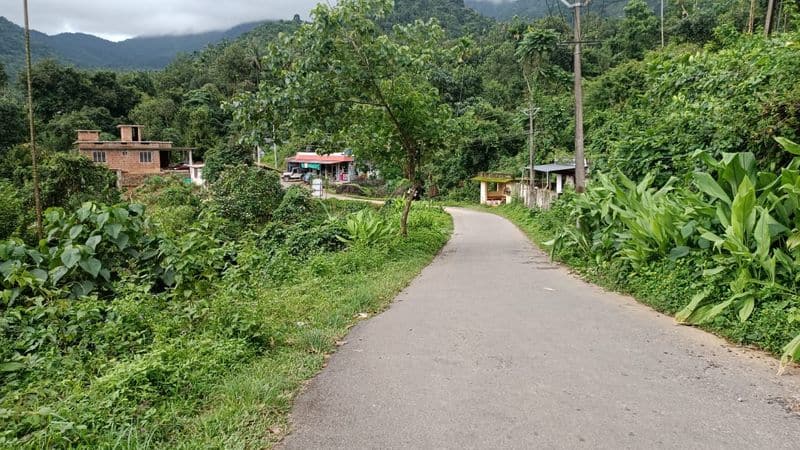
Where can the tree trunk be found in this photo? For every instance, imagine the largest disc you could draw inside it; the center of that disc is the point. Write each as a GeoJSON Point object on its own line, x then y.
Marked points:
{"type": "Point", "coordinates": [407, 209]}
{"type": "Point", "coordinates": [752, 18]}
{"type": "Point", "coordinates": [768, 21]}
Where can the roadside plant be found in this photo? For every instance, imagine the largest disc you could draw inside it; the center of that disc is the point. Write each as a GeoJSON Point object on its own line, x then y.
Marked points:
{"type": "Point", "coordinates": [368, 229]}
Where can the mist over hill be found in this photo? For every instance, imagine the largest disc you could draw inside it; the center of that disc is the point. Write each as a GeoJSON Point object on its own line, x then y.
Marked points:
{"type": "Point", "coordinates": [88, 51]}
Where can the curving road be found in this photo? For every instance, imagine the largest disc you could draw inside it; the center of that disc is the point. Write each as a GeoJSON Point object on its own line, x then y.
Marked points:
{"type": "Point", "coordinates": [494, 347]}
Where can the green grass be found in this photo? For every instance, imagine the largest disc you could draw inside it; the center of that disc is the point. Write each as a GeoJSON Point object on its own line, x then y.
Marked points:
{"type": "Point", "coordinates": [250, 408]}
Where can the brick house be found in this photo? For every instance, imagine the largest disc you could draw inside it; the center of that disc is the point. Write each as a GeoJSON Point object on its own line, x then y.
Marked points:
{"type": "Point", "coordinates": [132, 157]}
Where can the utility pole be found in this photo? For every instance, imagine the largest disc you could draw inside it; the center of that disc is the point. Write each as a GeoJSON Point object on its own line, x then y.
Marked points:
{"type": "Point", "coordinates": [580, 168]}
{"type": "Point", "coordinates": [34, 164]}
{"type": "Point", "coordinates": [662, 23]}
{"type": "Point", "coordinates": [531, 149]}
{"type": "Point", "coordinates": [274, 146]}
{"type": "Point", "coordinates": [768, 23]}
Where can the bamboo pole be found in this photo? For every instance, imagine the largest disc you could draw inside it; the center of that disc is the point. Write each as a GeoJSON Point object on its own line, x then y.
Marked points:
{"type": "Point", "coordinates": [34, 156]}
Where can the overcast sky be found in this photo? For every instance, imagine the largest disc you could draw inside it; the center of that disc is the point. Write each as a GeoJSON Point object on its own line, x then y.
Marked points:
{"type": "Point", "coordinates": [121, 19]}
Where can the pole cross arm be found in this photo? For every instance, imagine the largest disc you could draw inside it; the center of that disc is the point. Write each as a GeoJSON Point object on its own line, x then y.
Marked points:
{"type": "Point", "coordinates": [572, 5]}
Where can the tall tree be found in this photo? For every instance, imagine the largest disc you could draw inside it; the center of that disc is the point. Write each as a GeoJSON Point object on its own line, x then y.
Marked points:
{"type": "Point", "coordinates": [343, 81]}
{"type": "Point", "coordinates": [640, 30]}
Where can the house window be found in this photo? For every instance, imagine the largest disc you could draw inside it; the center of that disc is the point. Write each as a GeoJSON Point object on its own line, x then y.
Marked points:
{"type": "Point", "coordinates": [145, 157]}
{"type": "Point", "coordinates": [99, 157]}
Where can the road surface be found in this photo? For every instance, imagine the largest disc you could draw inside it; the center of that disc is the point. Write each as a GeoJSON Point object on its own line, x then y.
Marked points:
{"type": "Point", "coordinates": [494, 347]}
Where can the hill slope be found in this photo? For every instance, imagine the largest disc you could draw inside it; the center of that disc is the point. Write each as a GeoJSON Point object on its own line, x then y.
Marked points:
{"type": "Point", "coordinates": [87, 51]}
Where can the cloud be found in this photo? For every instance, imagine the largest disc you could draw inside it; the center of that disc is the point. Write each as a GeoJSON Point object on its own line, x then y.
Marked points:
{"type": "Point", "coordinates": [118, 19]}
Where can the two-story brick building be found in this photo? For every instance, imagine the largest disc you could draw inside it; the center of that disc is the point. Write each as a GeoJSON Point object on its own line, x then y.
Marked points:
{"type": "Point", "coordinates": [133, 158]}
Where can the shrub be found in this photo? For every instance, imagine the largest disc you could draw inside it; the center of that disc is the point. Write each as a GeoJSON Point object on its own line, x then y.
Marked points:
{"type": "Point", "coordinates": [295, 205]}
{"type": "Point", "coordinates": [247, 195]}
{"type": "Point", "coordinates": [10, 206]}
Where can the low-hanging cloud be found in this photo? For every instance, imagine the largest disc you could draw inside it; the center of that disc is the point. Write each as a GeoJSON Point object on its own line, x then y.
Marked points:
{"type": "Point", "coordinates": [118, 19]}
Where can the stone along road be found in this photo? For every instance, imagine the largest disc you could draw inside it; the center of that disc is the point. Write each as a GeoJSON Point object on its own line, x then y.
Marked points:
{"type": "Point", "coordinates": [493, 347]}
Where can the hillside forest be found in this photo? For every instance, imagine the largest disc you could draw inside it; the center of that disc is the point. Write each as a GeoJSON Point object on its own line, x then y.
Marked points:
{"type": "Point", "coordinates": [691, 203]}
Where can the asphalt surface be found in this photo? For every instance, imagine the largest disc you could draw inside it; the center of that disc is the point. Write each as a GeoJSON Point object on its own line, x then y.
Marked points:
{"type": "Point", "coordinates": [494, 347]}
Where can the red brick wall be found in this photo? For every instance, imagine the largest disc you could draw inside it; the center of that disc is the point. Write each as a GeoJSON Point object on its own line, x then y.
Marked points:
{"type": "Point", "coordinates": [127, 160]}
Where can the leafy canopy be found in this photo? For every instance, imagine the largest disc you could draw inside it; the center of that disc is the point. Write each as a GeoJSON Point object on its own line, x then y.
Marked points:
{"type": "Point", "coordinates": [342, 81]}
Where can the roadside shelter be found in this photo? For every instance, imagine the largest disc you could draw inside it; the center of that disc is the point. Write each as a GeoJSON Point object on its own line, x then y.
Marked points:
{"type": "Point", "coordinates": [496, 188]}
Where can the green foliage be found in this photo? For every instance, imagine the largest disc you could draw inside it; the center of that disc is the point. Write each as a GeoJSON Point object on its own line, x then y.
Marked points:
{"type": "Point", "coordinates": [10, 206]}
{"type": "Point", "coordinates": [736, 225]}
{"type": "Point", "coordinates": [368, 229]}
{"type": "Point", "coordinates": [380, 91]}
{"type": "Point", "coordinates": [12, 116]}
{"type": "Point", "coordinates": [247, 195]}
{"type": "Point", "coordinates": [222, 156]}
{"type": "Point", "coordinates": [295, 205]}
{"type": "Point", "coordinates": [189, 314]}
{"type": "Point", "coordinates": [60, 133]}
{"type": "Point", "coordinates": [69, 179]}
{"type": "Point", "coordinates": [82, 254]}
{"type": "Point", "coordinates": [732, 100]}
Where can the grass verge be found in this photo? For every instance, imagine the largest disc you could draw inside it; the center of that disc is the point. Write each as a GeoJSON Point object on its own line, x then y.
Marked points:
{"type": "Point", "coordinates": [249, 406]}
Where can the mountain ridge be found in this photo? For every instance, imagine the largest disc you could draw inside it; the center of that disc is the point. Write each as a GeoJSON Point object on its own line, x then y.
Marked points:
{"type": "Point", "coordinates": [92, 52]}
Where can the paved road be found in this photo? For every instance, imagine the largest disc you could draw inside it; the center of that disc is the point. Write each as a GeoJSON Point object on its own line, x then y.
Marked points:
{"type": "Point", "coordinates": [493, 347]}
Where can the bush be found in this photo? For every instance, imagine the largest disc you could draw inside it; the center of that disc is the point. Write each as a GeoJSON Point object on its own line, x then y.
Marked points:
{"type": "Point", "coordinates": [70, 179]}
{"type": "Point", "coordinates": [296, 205]}
{"type": "Point", "coordinates": [10, 207]}
{"type": "Point", "coordinates": [247, 195]}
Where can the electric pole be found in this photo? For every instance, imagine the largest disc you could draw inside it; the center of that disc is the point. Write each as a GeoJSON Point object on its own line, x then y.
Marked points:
{"type": "Point", "coordinates": [34, 165]}
{"type": "Point", "coordinates": [580, 167]}
{"type": "Point", "coordinates": [531, 149]}
{"type": "Point", "coordinates": [662, 23]}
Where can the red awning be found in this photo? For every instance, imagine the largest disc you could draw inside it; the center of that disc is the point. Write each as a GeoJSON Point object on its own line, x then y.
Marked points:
{"type": "Point", "coordinates": [320, 159]}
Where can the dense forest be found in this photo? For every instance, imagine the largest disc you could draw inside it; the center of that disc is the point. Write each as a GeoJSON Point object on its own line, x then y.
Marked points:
{"type": "Point", "coordinates": [430, 93]}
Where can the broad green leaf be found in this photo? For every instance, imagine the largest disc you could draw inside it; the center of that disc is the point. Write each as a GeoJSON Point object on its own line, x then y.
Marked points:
{"type": "Point", "coordinates": [743, 210]}
{"type": "Point", "coordinates": [92, 266]}
{"type": "Point", "coordinates": [708, 185]}
{"type": "Point", "coordinates": [113, 230]}
{"type": "Point", "coordinates": [709, 236]}
{"type": "Point", "coordinates": [93, 241]}
{"type": "Point", "coordinates": [70, 256]}
{"type": "Point", "coordinates": [709, 313]}
{"type": "Point", "coordinates": [791, 352]}
{"type": "Point", "coordinates": [75, 231]}
{"type": "Point", "coordinates": [714, 271]}
{"type": "Point", "coordinates": [11, 366]}
{"type": "Point", "coordinates": [57, 274]}
{"type": "Point", "coordinates": [793, 241]}
{"type": "Point", "coordinates": [102, 219]}
{"type": "Point", "coordinates": [762, 235]}
{"type": "Point", "coordinates": [39, 274]}
{"type": "Point", "coordinates": [83, 288]}
{"type": "Point", "coordinates": [747, 309]}
{"type": "Point", "coordinates": [683, 315]}
{"type": "Point", "coordinates": [789, 146]}
{"type": "Point", "coordinates": [679, 252]}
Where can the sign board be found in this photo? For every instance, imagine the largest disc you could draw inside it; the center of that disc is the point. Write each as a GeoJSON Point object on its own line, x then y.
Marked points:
{"type": "Point", "coordinates": [315, 166]}
{"type": "Point", "coordinates": [316, 188]}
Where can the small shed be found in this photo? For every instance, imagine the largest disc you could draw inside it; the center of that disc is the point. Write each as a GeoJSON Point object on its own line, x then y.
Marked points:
{"type": "Point", "coordinates": [496, 188]}
{"type": "Point", "coordinates": [564, 174]}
